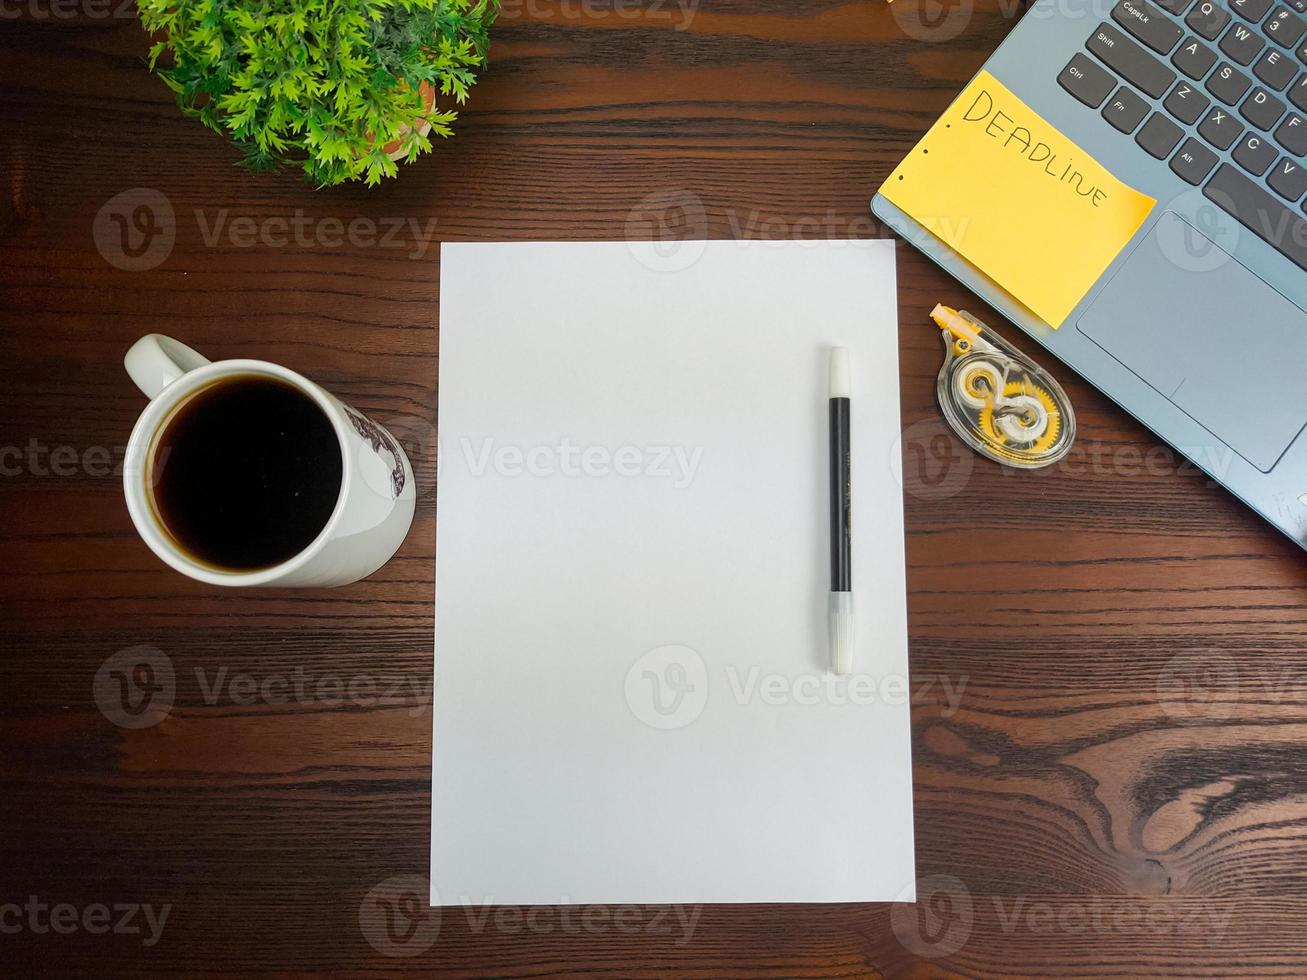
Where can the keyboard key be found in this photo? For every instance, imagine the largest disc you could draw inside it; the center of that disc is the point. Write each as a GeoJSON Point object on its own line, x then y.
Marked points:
{"type": "Point", "coordinates": [1292, 134]}
{"type": "Point", "coordinates": [1130, 61]}
{"type": "Point", "coordinates": [1251, 10]}
{"type": "Point", "coordinates": [1299, 5]}
{"type": "Point", "coordinates": [1261, 108]}
{"type": "Point", "coordinates": [1085, 80]}
{"type": "Point", "coordinates": [1259, 212]}
{"type": "Point", "coordinates": [1228, 84]}
{"type": "Point", "coordinates": [1149, 24]}
{"type": "Point", "coordinates": [1194, 162]}
{"type": "Point", "coordinates": [1241, 44]}
{"type": "Point", "coordinates": [1208, 19]}
{"type": "Point", "coordinates": [1193, 58]}
{"type": "Point", "coordinates": [1284, 27]}
{"type": "Point", "coordinates": [1276, 69]}
{"type": "Point", "coordinates": [1220, 128]}
{"type": "Point", "coordinates": [1254, 153]}
{"type": "Point", "coordinates": [1159, 135]}
{"type": "Point", "coordinates": [1298, 94]}
{"type": "Point", "coordinates": [1288, 178]}
{"type": "Point", "coordinates": [1176, 7]}
{"type": "Point", "coordinates": [1125, 110]}
{"type": "Point", "coordinates": [1186, 103]}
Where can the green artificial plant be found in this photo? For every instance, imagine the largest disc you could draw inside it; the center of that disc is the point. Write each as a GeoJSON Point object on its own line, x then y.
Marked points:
{"type": "Point", "coordinates": [323, 85]}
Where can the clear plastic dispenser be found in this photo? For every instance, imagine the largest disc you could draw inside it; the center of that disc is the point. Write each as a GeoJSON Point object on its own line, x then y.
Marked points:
{"type": "Point", "coordinates": [1000, 402]}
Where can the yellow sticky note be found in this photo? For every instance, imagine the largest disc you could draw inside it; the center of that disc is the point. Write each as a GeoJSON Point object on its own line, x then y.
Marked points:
{"type": "Point", "coordinates": [1000, 185]}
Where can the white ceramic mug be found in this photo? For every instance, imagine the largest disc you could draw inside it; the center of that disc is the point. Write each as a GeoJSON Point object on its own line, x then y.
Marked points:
{"type": "Point", "coordinates": [377, 493]}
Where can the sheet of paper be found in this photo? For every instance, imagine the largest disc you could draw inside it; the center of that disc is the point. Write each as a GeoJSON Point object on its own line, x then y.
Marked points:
{"type": "Point", "coordinates": [632, 697]}
{"type": "Point", "coordinates": [1000, 185]}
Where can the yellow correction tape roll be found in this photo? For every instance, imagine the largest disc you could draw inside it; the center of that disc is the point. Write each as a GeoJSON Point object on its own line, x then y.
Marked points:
{"type": "Point", "coordinates": [1000, 402]}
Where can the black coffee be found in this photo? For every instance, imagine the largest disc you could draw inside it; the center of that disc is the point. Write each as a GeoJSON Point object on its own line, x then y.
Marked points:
{"type": "Point", "coordinates": [246, 473]}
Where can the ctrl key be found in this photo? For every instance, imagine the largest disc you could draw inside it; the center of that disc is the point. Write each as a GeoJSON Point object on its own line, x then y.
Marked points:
{"type": "Point", "coordinates": [1086, 81]}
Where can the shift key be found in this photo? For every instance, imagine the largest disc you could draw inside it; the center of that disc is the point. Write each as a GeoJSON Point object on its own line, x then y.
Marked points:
{"type": "Point", "coordinates": [1130, 61]}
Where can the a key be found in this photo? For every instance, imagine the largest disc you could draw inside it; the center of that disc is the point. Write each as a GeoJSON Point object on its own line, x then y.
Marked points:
{"type": "Point", "coordinates": [1220, 128]}
{"type": "Point", "coordinates": [1251, 10]}
{"type": "Point", "coordinates": [1261, 108]}
{"type": "Point", "coordinates": [1255, 209]}
{"type": "Point", "coordinates": [1194, 58]}
{"type": "Point", "coordinates": [1298, 93]}
{"type": "Point", "coordinates": [1292, 134]}
{"type": "Point", "coordinates": [1288, 179]}
{"type": "Point", "coordinates": [1208, 19]}
{"type": "Point", "coordinates": [1130, 61]}
{"type": "Point", "coordinates": [1284, 27]}
{"type": "Point", "coordinates": [1086, 80]}
{"type": "Point", "coordinates": [1193, 162]}
{"type": "Point", "coordinates": [1276, 69]}
{"type": "Point", "coordinates": [1148, 24]}
{"type": "Point", "coordinates": [1254, 153]}
{"type": "Point", "coordinates": [1125, 110]}
{"type": "Point", "coordinates": [1241, 44]}
{"type": "Point", "coordinates": [1228, 83]}
{"type": "Point", "coordinates": [1159, 135]}
{"type": "Point", "coordinates": [1186, 103]}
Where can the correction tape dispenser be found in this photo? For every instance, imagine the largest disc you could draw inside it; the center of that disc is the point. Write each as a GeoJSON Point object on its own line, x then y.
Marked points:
{"type": "Point", "coordinates": [1000, 402]}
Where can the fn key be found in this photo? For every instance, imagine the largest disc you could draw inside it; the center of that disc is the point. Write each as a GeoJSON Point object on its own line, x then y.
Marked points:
{"type": "Point", "coordinates": [1086, 81]}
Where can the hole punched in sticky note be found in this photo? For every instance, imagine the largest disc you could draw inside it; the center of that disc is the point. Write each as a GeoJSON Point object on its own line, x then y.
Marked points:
{"type": "Point", "coordinates": [1001, 186]}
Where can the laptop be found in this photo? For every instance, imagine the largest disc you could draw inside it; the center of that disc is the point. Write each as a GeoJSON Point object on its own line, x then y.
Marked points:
{"type": "Point", "coordinates": [1197, 328]}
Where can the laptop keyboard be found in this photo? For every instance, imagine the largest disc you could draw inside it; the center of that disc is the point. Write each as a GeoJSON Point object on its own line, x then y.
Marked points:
{"type": "Point", "coordinates": [1188, 78]}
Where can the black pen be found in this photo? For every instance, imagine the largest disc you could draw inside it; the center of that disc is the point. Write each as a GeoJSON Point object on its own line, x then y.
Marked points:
{"type": "Point", "coordinates": [841, 516]}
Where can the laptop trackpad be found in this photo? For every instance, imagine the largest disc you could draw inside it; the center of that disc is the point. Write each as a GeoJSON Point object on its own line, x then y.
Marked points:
{"type": "Point", "coordinates": [1211, 336]}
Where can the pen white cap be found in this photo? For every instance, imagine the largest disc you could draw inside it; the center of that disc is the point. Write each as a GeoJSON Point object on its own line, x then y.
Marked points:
{"type": "Point", "coordinates": [840, 386]}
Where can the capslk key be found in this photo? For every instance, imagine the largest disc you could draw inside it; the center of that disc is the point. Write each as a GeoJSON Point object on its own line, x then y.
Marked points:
{"type": "Point", "coordinates": [1148, 23]}
{"type": "Point", "coordinates": [1130, 61]}
{"type": "Point", "coordinates": [1259, 212]}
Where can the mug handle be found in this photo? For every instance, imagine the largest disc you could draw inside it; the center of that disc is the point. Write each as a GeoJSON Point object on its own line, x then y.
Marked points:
{"type": "Point", "coordinates": [156, 361]}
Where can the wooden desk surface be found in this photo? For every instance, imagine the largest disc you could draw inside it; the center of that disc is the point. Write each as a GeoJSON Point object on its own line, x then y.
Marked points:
{"type": "Point", "coordinates": [1110, 729]}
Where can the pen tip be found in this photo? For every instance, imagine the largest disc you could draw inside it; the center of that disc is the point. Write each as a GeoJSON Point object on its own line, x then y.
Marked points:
{"type": "Point", "coordinates": [840, 385]}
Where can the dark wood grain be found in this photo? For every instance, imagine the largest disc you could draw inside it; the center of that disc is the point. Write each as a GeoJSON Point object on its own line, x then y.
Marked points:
{"type": "Point", "coordinates": [1110, 722]}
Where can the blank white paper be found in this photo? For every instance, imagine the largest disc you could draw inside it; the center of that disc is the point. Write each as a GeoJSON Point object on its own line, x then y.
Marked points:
{"type": "Point", "coordinates": [632, 700]}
